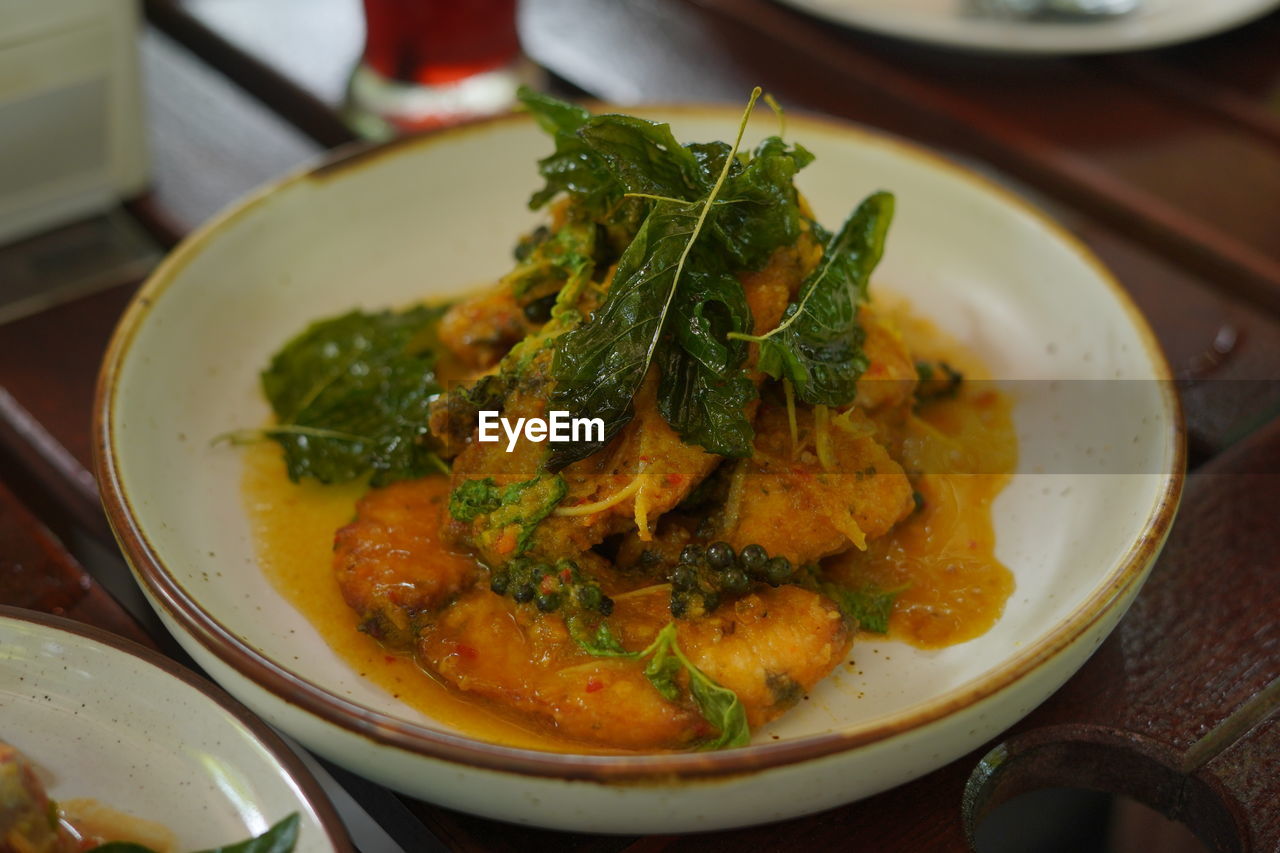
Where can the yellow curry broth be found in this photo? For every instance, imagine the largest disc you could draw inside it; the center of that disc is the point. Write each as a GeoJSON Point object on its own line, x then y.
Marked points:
{"type": "Point", "coordinates": [293, 526]}
{"type": "Point", "coordinates": [953, 587]}
{"type": "Point", "coordinates": [942, 558]}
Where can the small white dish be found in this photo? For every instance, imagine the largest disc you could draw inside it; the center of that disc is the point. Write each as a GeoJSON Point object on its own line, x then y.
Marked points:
{"type": "Point", "coordinates": [432, 216]}
{"type": "Point", "coordinates": [1155, 23]}
{"type": "Point", "coordinates": [105, 719]}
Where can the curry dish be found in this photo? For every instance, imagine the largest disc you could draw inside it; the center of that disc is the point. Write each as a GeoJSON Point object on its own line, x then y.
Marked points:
{"type": "Point", "coordinates": [780, 463]}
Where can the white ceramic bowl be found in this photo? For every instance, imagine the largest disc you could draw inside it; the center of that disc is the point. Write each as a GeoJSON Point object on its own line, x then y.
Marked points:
{"type": "Point", "coordinates": [112, 721]}
{"type": "Point", "coordinates": [1079, 526]}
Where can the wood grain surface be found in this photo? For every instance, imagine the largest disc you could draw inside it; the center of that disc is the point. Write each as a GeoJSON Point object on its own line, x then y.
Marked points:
{"type": "Point", "coordinates": [37, 572]}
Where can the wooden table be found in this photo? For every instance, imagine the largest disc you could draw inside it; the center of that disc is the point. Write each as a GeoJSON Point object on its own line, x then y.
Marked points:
{"type": "Point", "coordinates": [1166, 163]}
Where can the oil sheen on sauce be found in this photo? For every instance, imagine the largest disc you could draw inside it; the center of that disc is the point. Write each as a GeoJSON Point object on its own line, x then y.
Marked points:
{"type": "Point", "coordinates": [942, 559]}
{"type": "Point", "coordinates": [293, 527]}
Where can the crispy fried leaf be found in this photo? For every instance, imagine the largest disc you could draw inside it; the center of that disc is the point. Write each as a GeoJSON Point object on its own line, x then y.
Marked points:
{"type": "Point", "coordinates": [704, 391]}
{"type": "Point", "coordinates": [645, 158]}
{"type": "Point", "coordinates": [818, 344]}
{"type": "Point", "coordinates": [760, 211]}
{"type": "Point", "coordinates": [350, 396]}
{"type": "Point", "coordinates": [574, 167]}
{"type": "Point", "coordinates": [602, 644]}
{"type": "Point", "coordinates": [598, 367]}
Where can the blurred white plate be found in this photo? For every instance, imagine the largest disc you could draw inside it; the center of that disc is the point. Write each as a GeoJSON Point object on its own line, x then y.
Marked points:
{"type": "Point", "coordinates": [105, 719]}
{"type": "Point", "coordinates": [1156, 23]}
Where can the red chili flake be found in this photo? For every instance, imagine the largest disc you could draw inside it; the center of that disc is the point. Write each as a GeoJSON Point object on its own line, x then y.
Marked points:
{"type": "Point", "coordinates": [565, 576]}
{"type": "Point", "coordinates": [466, 651]}
{"type": "Point", "coordinates": [547, 584]}
{"type": "Point", "coordinates": [646, 458]}
{"type": "Point", "coordinates": [675, 479]}
{"type": "Point", "coordinates": [389, 658]}
{"type": "Point", "coordinates": [594, 685]}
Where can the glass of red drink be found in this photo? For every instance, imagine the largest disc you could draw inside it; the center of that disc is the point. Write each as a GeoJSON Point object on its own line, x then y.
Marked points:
{"type": "Point", "coordinates": [430, 63]}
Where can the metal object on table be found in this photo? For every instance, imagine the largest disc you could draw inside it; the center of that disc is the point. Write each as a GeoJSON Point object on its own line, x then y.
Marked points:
{"type": "Point", "coordinates": [1077, 10]}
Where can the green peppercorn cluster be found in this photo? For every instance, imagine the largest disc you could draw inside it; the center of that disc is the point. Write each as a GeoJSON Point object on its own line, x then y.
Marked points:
{"type": "Point", "coordinates": [550, 586]}
{"type": "Point", "coordinates": [706, 576]}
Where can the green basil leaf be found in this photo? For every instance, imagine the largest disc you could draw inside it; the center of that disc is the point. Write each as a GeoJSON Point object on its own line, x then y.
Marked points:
{"type": "Point", "coordinates": [598, 367]}
{"type": "Point", "coordinates": [573, 167]}
{"type": "Point", "coordinates": [281, 838]}
{"type": "Point", "coordinates": [761, 210]}
{"type": "Point", "coordinates": [603, 643]}
{"type": "Point", "coordinates": [704, 392]}
{"type": "Point", "coordinates": [350, 396]}
{"type": "Point", "coordinates": [720, 707]}
{"type": "Point", "coordinates": [664, 667]}
{"type": "Point", "coordinates": [818, 343]}
{"type": "Point", "coordinates": [552, 114]}
{"type": "Point", "coordinates": [645, 158]}
{"type": "Point", "coordinates": [870, 606]}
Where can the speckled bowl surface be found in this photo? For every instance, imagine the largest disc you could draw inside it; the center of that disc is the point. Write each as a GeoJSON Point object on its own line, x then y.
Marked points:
{"type": "Point", "coordinates": [105, 719]}
{"type": "Point", "coordinates": [1079, 525]}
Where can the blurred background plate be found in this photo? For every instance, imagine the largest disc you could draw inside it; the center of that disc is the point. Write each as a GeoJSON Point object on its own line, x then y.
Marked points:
{"type": "Point", "coordinates": [1156, 23]}
{"type": "Point", "coordinates": [105, 719]}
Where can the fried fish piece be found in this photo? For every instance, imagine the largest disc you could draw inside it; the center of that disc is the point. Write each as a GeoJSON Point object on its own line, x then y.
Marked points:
{"type": "Point", "coordinates": [769, 647]}
{"type": "Point", "coordinates": [837, 490]}
{"type": "Point", "coordinates": [480, 329]}
{"type": "Point", "coordinates": [389, 562]}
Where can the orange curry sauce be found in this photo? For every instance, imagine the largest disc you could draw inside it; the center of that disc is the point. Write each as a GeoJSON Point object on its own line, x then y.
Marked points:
{"type": "Point", "coordinates": [942, 558]}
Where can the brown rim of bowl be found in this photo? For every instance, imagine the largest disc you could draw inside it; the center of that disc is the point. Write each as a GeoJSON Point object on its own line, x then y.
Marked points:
{"type": "Point", "coordinates": [383, 729]}
{"type": "Point", "coordinates": [312, 794]}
